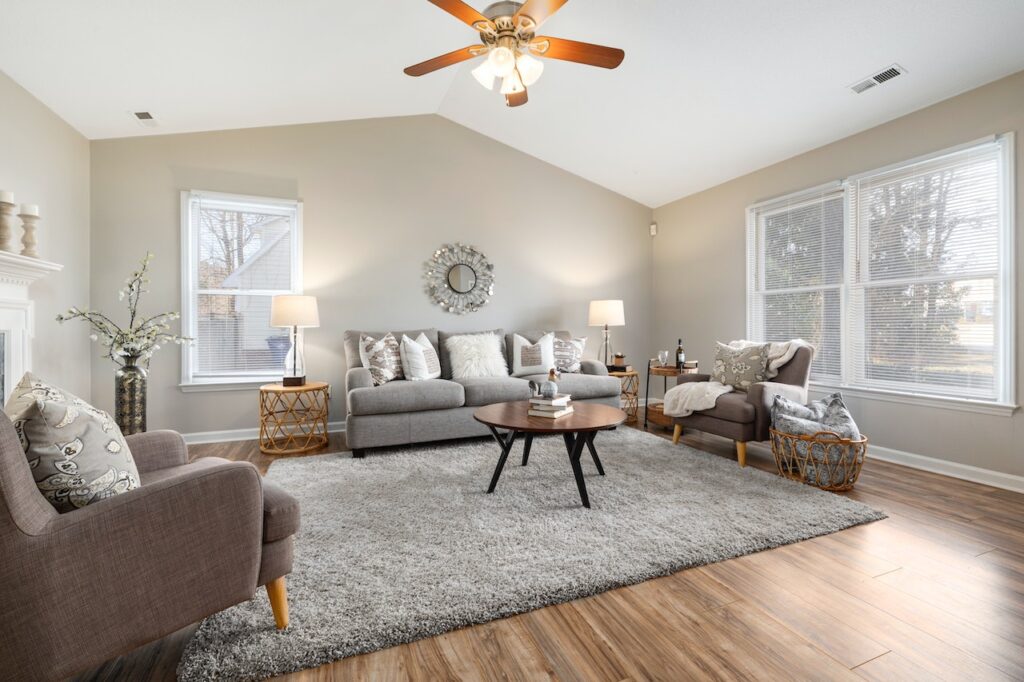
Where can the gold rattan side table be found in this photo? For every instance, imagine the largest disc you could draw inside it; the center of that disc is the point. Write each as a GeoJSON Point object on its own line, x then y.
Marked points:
{"type": "Point", "coordinates": [293, 419]}
{"type": "Point", "coordinates": [630, 393]}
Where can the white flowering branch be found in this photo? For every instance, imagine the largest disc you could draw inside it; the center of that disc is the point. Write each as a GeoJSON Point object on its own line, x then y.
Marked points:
{"type": "Point", "coordinates": [138, 341]}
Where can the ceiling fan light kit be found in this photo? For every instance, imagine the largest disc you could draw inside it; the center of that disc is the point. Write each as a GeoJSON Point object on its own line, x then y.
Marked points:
{"type": "Point", "coordinates": [510, 46]}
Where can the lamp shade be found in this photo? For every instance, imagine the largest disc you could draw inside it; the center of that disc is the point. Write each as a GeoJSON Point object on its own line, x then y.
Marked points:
{"type": "Point", "coordinates": [607, 313]}
{"type": "Point", "coordinates": [294, 311]}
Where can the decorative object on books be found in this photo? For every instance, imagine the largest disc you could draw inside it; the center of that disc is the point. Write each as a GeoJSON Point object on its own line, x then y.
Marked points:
{"type": "Point", "coordinates": [459, 278]}
{"type": "Point", "coordinates": [29, 217]}
{"type": "Point", "coordinates": [382, 357]}
{"type": "Point", "coordinates": [7, 212]}
{"type": "Point", "coordinates": [476, 355]}
{"type": "Point", "coordinates": [569, 354]}
{"type": "Point", "coordinates": [549, 389]}
{"type": "Point", "coordinates": [510, 47]}
{"type": "Point", "coordinates": [419, 359]}
{"type": "Point", "coordinates": [448, 528]}
{"type": "Point", "coordinates": [532, 358]}
{"type": "Point", "coordinates": [295, 312]}
{"type": "Point", "coordinates": [630, 396]}
{"type": "Point", "coordinates": [606, 314]}
{"type": "Point", "coordinates": [619, 360]}
{"type": "Point", "coordinates": [578, 429]}
{"type": "Point", "coordinates": [293, 419]}
{"type": "Point", "coordinates": [130, 347]}
{"type": "Point", "coordinates": [76, 452]}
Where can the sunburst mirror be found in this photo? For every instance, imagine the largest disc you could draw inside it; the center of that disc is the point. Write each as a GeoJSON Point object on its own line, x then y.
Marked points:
{"type": "Point", "coordinates": [460, 279]}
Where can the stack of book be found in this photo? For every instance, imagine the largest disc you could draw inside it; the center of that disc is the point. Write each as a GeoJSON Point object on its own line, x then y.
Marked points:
{"type": "Point", "coordinates": [551, 408]}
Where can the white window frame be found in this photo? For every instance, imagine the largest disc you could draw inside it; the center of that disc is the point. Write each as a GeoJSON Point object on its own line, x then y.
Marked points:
{"type": "Point", "coordinates": [1005, 369]}
{"type": "Point", "coordinates": [190, 290]}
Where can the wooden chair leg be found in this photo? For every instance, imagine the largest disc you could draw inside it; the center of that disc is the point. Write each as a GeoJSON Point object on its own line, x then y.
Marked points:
{"type": "Point", "coordinates": [278, 593]}
{"type": "Point", "coordinates": [677, 432]}
{"type": "Point", "coordinates": [741, 453]}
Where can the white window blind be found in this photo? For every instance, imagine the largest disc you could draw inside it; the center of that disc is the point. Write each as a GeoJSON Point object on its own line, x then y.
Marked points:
{"type": "Point", "coordinates": [239, 252]}
{"type": "Point", "coordinates": [902, 277]}
{"type": "Point", "coordinates": [796, 274]}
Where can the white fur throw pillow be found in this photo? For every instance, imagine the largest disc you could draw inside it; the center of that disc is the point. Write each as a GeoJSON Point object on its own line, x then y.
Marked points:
{"type": "Point", "coordinates": [532, 358]}
{"type": "Point", "coordinates": [419, 359]}
{"type": "Point", "coordinates": [476, 355]}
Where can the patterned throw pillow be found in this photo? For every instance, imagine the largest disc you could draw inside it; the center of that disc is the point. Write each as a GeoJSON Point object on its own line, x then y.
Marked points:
{"type": "Point", "coordinates": [77, 453]}
{"type": "Point", "coordinates": [740, 367]}
{"type": "Point", "coordinates": [419, 359]}
{"type": "Point", "coordinates": [382, 357]}
{"type": "Point", "coordinates": [532, 358]}
{"type": "Point", "coordinates": [569, 354]}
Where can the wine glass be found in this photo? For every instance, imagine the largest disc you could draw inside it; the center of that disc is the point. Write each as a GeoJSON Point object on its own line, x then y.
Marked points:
{"type": "Point", "coordinates": [663, 357]}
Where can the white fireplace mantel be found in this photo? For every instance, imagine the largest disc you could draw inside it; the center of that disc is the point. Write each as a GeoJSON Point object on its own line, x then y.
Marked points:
{"type": "Point", "coordinates": [17, 314]}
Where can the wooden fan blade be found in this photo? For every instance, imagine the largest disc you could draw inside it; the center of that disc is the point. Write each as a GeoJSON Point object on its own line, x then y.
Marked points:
{"type": "Point", "coordinates": [444, 60]}
{"type": "Point", "coordinates": [466, 14]}
{"type": "Point", "coordinates": [517, 99]}
{"type": "Point", "coordinates": [538, 11]}
{"type": "Point", "coordinates": [573, 51]}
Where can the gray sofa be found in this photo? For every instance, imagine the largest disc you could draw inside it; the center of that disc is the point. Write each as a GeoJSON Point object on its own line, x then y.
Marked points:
{"type": "Point", "coordinates": [401, 412]}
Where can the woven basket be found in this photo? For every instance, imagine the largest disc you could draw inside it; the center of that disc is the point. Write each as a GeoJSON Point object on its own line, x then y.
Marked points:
{"type": "Point", "coordinates": [824, 460]}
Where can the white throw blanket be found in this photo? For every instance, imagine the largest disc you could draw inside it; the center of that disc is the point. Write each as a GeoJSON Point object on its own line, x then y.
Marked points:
{"type": "Point", "coordinates": [686, 398]}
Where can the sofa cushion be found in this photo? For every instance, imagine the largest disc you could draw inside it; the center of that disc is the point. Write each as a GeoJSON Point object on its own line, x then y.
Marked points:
{"type": "Point", "coordinates": [446, 359]}
{"type": "Point", "coordinates": [280, 513]}
{"type": "Point", "coordinates": [406, 396]}
{"type": "Point", "coordinates": [352, 341]}
{"type": "Point", "coordinates": [584, 386]}
{"type": "Point", "coordinates": [489, 390]}
{"type": "Point", "coordinates": [732, 407]}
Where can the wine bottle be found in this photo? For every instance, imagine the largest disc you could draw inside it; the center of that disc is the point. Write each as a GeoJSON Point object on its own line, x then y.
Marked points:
{"type": "Point", "coordinates": [680, 356]}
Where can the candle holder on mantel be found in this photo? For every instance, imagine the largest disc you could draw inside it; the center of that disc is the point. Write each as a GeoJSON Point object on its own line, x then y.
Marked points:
{"type": "Point", "coordinates": [7, 213]}
{"type": "Point", "coordinates": [29, 217]}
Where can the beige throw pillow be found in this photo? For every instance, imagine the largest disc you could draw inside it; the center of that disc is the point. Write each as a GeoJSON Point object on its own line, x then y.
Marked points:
{"type": "Point", "coordinates": [419, 359]}
{"type": "Point", "coordinates": [76, 452]}
{"type": "Point", "coordinates": [532, 358]}
{"type": "Point", "coordinates": [382, 357]}
{"type": "Point", "coordinates": [740, 367]}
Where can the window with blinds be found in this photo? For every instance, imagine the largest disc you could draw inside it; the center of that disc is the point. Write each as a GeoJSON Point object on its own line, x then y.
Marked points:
{"type": "Point", "coordinates": [238, 253]}
{"type": "Point", "coordinates": [901, 277]}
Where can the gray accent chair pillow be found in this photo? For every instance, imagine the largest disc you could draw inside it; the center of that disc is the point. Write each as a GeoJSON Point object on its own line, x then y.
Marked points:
{"type": "Point", "coordinates": [740, 367]}
{"type": "Point", "coordinates": [77, 453]}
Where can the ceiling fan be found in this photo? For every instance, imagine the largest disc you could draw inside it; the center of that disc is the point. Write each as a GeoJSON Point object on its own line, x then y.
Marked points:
{"type": "Point", "coordinates": [507, 35]}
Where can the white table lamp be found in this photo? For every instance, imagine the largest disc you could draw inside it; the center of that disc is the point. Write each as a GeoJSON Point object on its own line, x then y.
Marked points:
{"type": "Point", "coordinates": [294, 311]}
{"type": "Point", "coordinates": [606, 314]}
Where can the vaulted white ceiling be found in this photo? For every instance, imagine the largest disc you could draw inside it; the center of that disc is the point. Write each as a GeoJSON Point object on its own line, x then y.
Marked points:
{"type": "Point", "coordinates": [709, 90]}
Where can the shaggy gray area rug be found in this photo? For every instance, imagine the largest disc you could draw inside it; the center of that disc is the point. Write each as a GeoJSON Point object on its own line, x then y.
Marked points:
{"type": "Point", "coordinates": [406, 543]}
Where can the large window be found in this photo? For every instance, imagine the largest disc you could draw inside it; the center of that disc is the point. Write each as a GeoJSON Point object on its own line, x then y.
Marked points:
{"type": "Point", "coordinates": [902, 277]}
{"type": "Point", "coordinates": [237, 253]}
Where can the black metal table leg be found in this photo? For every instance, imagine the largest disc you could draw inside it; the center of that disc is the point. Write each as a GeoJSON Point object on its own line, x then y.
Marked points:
{"type": "Point", "coordinates": [574, 459]}
{"type": "Point", "coordinates": [506, 447]}
{"type": "Point", "coordinates": [526, 448]}
{"type": "Point", "coordinates": [647, 392]}
{"type": "Point", "coordinates": [570, 441]}
{"type": "Point", "coordinates": [593, 451]}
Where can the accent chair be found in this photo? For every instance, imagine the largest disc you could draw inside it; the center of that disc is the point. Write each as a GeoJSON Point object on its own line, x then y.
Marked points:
{"type": "Point", "coordinates": [85, 586]}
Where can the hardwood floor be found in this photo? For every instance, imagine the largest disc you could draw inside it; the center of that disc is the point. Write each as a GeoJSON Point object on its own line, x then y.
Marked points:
{"type": "Point", "coordinates": [935, 592]}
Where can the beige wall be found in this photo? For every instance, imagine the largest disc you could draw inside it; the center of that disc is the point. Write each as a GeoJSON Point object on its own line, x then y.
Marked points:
{"type": "Point", "coordinates": [699, 266]}
{"type": "Point", "coordinates": [379, 196]}
{"type": "Point", "coordinates": [45, 161]}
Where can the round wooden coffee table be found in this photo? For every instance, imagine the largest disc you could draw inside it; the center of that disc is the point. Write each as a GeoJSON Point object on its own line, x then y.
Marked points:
{"type": "Point", "coordinates": [578, 430]}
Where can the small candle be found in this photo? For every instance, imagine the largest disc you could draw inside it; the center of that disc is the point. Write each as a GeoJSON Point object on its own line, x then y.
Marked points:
{"type": "Point", "coordinates": [6, 197]}
{"type": "Point", "coordinates": [30, 209]}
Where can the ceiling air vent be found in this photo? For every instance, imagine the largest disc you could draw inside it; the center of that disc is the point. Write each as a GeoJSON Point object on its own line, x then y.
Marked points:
{"type": "Point", "coordinates": [882, 76]}
{"type": "Point", "coordinates": [143, 115]}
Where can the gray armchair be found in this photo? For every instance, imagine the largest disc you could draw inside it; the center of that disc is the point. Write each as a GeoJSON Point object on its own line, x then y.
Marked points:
{"type": "Point", "coordinates": [746, 417]}
{"type": "Point", "coordinates": [82, 587]}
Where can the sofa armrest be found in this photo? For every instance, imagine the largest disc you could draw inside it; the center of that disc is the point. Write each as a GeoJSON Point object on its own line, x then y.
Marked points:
{"type": "Point", "coordinates": [762, 394]}
{"type": "Point", "coordinates": [155, 450]}
{"type": "Point", "coordinates": [689, 378]}
{"type": "Point", "coordinates": [593, 367]}
{"type": "Point", "coordinates": [357, 377]}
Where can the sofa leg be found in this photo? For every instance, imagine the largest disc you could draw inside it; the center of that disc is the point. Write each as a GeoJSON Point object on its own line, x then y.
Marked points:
{"type": "Point", "coordinates": [278, 593]}
{"type": "Point", "coordinates": [359, 454]}
{"type": "Point", "coordinates": [677, 432]}
{"type": "Point", "coordinates": [741, 453]}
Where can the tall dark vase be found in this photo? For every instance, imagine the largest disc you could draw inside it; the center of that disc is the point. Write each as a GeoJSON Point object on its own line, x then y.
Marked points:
{"type": "Point", "coordinates": [130, 396]}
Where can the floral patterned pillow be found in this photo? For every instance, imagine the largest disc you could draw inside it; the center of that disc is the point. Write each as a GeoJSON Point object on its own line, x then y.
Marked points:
{"type": "Point", "coordinates": [740, 367]}
{"type": "Point", "coordinates": [77, 453]}
{"type": "Point", "coordinates": [383, 357]}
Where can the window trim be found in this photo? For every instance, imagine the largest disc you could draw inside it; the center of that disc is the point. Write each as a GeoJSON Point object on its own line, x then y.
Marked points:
{"type": "Point", "coordinates": [190, 290]}
{"type": "Point", "coordinates": [1005, 404]}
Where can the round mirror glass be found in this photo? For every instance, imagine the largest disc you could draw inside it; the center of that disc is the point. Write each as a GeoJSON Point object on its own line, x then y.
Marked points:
{"type": "Point", "coordinates": [461, 278]}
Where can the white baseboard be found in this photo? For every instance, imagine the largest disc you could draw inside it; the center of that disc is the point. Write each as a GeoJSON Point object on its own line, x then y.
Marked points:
{"type": "Point", "coordinates": [242, 434]}
{"type": "Point", "coordinates": [996, 479]}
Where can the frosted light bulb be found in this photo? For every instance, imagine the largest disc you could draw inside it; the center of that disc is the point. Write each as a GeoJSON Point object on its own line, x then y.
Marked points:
{"type": "Point", "coordinates": [529, 68]}
{"type": "Point", "coordinates": [512, 84]}
{"type": "Point", "coordinates": [502, 61]}
{"type": "Point", "coordinates": [484, 74]}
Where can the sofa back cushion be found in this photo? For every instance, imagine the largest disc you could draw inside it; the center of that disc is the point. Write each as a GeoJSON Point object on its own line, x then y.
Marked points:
{"type": "Point", "coordinates": [352, 341]}
{"type": "Point", "coordinates": [446, 359]}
